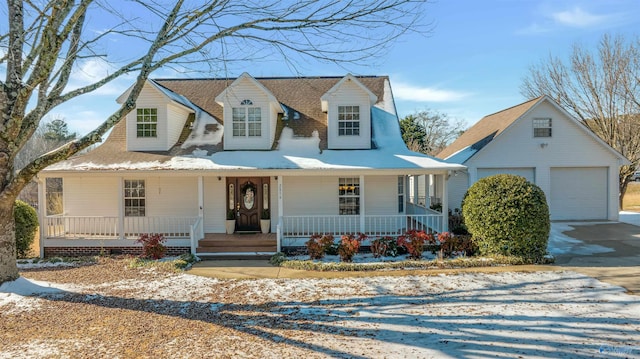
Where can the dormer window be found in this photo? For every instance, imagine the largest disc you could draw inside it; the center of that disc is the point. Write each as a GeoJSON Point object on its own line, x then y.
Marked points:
{"type": "Point", "coordinates": [541, 127]}
{"type": "Point", "coordinates": [147, 122]}
{"type": "Point", "coordinates": [247, 120]}
{"type": "Point", "coordinates": [348, 120]}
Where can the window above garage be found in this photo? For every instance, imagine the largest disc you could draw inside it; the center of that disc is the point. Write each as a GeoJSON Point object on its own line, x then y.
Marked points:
{"type": "Point", "coordinates": [542, 127]}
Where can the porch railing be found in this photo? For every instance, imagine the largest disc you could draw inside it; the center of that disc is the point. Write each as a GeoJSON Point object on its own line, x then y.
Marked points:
{"type": "Point", "coordinates": [196, 233]}
{"type": "Point", "coordinates": [74, 227]}
{"type": "Point", "coordinates": [374, 225]}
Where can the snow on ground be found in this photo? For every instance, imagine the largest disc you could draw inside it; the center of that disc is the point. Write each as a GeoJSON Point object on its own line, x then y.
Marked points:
{"type": "Point", "coordinates": [540, 314]}
{"type": "Point", "coordinates": [630, 217]}
{"type": "Point", "coordinates": [560, 243]}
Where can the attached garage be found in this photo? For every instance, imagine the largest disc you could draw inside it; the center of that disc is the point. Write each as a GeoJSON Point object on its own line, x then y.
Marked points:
{"type": "Point", "coordinates": [528, 173]}
{"type": "Point", "coordinates": [579, 193]}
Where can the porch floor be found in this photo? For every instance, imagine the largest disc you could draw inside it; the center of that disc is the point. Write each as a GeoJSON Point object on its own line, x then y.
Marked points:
{"type": "Point", "coordinates": [238, 243]}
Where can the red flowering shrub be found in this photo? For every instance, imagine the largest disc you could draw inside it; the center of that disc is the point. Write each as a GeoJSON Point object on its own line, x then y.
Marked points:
{"type": "Point", "coordinates": [152, 245]}
{"type": "Point", "coordinates": [318, 245]}
{"type": "Point", "coordinates": [414, 242]}
{"type": "Point", "coordinates": [451, 245]}
{"type": "Point", "coordinates": [349, 245]}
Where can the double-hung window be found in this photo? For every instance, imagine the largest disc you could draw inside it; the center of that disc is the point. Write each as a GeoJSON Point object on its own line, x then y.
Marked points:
{"type": "Point", "coordinates": [147, 122]}
{"type": "Point", "coordinates": [541, 127]}
{"type": "Point", "coordinates": [348, 120]}
{"type": "Point", "coordinates": [247, 120]}
{"type": "Point", "coordinates": [134, 198]}
{"type": "Point", "coordinates": [349, 195]}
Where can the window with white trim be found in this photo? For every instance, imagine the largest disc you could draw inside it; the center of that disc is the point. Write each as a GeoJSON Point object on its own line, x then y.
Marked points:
{"type": "Point", "coordinates": [348, 120]}
{"type": "Point", "coordinates": [134, 198]}
{"type": "Point", "coordinates": [349, 195]}
{"type": "Point", "coordinates": [541, 127]}
{"type": "Point", "coordinates": [147, 122]}
{"type": "Point", "coordinates": [400, 194]}
{"type": "Point", "coordinates": [247, 120]}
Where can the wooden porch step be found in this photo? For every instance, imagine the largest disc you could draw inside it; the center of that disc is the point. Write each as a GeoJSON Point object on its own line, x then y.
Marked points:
{"type": "Point", "coordinates": [237, 243]}
{"type": "Point", "coordinates": [264, 249]}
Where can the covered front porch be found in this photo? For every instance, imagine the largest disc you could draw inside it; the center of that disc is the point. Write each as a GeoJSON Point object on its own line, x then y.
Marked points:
{"type": "Point", "coordinates": [300, 206]}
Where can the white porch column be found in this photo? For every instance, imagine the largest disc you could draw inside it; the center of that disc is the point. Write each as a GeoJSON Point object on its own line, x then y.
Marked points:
{"type": "Point", "coordinates": [427, 191]}
{"type": "Point", "coordinates": [121, 208]}
{"type": "Point", "coordinates": [362, 205]}
{"type": "Point", "coordinates": [42, 213]}
{"type": "Point", "coordinates": [201, 204]}
{"type": "Point", "coordinates": [415, 190]}
{"type": "Point", "coordinates": [445, 203]}
{"type": "Point", "coordinates": [280, 180]}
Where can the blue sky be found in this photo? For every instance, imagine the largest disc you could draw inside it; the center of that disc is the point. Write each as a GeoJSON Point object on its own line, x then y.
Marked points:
{"type": "Point", "coordinates": [471, 65]}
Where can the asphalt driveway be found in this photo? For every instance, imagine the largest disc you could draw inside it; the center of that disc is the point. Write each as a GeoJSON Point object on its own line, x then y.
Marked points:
{"type": "Point", "coordinates": [608, 251]}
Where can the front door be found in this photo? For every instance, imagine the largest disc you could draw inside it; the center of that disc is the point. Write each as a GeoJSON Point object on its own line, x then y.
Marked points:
{"type": "Point", "coordinates": [249, 200]}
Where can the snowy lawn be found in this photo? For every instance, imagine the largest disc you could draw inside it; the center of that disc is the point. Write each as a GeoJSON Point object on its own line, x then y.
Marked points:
{"type": "Point", "coordinates": [111, 310]}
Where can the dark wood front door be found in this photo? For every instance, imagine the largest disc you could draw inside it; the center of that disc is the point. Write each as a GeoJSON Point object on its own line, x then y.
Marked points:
{"type": "Point", "coordinates": [249, 193]}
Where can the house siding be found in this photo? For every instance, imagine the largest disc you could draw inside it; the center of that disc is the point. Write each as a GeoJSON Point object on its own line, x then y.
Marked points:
{"type": "Point", "coordinates": [171, 196]}
{"type": "Point", "coordinates": [176, 119]}
{"type": "Point", "coordinates": [91, 196]}
{"type": "Point", "coordinates": [349, 94]}
{"type": "Point", "coordinates": [215, 208]}
{"type": "Point", "coordinates": [149, 98]}
{"type": "Point", "coordinates": [246, 89]}
{"type": "Point", "coordinates": [381, 195]}
{"type": "Point", "coordinates": [310, 196]}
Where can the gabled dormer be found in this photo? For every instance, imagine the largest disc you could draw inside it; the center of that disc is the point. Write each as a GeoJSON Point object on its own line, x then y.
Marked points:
{"type": "Point", "coordinates": [348, 107]}
{"type": "Point", "coordinates": [158, 119]}
{"type": "Point", "coordinates": [250, 113]}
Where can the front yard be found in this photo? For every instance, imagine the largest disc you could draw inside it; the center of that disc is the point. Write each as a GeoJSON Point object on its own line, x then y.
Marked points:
{"type": "Point", "coordinates": [110, 309]}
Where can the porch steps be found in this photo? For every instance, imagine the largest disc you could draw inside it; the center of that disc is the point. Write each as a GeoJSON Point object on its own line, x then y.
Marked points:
{"type": "Point", "coordinates": [237, 244]}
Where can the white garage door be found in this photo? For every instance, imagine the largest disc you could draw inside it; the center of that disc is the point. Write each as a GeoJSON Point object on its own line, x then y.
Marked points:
{"type": "Point", "coordinates": [578, 193]}
{"type": "Point", "coordinates": [525, 172]}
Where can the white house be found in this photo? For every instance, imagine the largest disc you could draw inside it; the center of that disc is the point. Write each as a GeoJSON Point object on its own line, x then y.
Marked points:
{"type": "Point", "coordinates": [318, 154]}
{"type": "Point", "coordinates": [540, 141]}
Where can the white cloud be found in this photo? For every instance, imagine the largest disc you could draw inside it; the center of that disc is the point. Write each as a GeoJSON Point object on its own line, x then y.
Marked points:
{"type": "Point", "coordinates": [577, 17]}
{"type": "Point", "coordinates": [407, 92]}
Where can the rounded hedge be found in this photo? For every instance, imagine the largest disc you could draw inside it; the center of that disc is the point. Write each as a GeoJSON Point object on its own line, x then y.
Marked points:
{"type": "Point", "coordinates": [507, 215]}
{"type": "Point", "coordinates": [26, 219]}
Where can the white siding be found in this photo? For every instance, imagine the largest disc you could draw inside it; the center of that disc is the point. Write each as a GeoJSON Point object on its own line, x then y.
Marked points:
{"type": "Point", "coordinates": [569, 146]}
{"type": "Point", "coordinates": [457, 188]}
{"type": "Point", "coordinates": [273, 204]}
{"type": "Point", "coordinates": [215, 213]}
{"type": "Point", "coordinates": [349, 94]}
{"type": "Point", "coordinates": [171, 196]}
{"type": "Point", "coordinates": [176, 119]}
{"type": "Point", "coordinates": [310, 196]}
{"type": "Point", "coordinates": [578, 193]}
{"type": "Point", "coordinates": [381, 193]}
{"type": "Point", "coordinates": [149, 98]}
{"type": "Point", "coordinates": [246, 89]}
{"type": "Point", "coordinates": [528, 173]}
{"type": "Point", "coordinates": [91, 196]}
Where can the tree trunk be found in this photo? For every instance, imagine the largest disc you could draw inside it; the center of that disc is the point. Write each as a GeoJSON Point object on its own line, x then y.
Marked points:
{"type": "Point", "coordinates": [8, 267]}
{"type": "Point", "coordinates": [623, 189]}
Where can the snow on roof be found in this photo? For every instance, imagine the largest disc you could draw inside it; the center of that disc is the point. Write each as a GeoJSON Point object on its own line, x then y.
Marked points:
{"type": "Point", "coordinates": [292, 153]}
{"type": "Point", "coordinates": [201, 135]}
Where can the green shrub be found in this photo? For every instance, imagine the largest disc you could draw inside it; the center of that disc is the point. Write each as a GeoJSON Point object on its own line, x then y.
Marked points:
{"type": "Point", "coordinates": [277, 259]}
{"type": "Point", "coordinates": [26, 219]}
{"type": "Point", "coordinates": [507, 215]}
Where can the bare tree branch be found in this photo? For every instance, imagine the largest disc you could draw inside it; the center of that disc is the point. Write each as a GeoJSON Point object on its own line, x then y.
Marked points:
{"type": "Point", "coordinates": [601, 89]}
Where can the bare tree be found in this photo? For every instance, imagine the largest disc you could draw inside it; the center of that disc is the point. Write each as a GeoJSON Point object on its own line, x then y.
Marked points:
{"type": "Point", "coordinates": [43, 42]}
{"type": "Point", "coordinates": [430, 131]}
{"type": "Point", "coordinates": [601, 89]}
